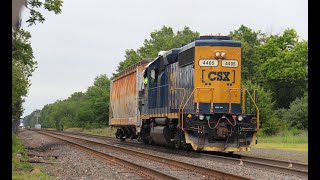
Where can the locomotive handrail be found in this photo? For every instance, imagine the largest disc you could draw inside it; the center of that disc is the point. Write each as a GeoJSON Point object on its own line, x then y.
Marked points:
{"type": "Point", "coordinates": [158, 87]}
{"type": "Point", "coordinates": [184, 94]}
{"type": "Point", "coordinates": [198, 88]}
{"type": "Point", "coordinates": [211, 89]}
{"type": "Point", "coordinates": [244, 98]}
{"type": "Point", "coordinates": [254, 95]}
{"type": "Point", "coordinates": [243, 103]}
{"type": "Point", "coordinates": [180, 107]}
{"type": "Point", "coordinates": [253, 99]}
{"type": "Point", "coordinates": [229, 90]}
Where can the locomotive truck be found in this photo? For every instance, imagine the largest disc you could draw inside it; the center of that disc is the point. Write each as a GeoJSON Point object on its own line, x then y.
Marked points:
{"type": "Point", "coordinates": [188, 98]}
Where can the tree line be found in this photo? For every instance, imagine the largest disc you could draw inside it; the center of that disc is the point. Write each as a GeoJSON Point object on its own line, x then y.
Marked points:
{"type": "Point", "coordinates": [23, 61]}
{"type": "Point", "coordinates": [276, 65]}
{"type": "Point", "coordinates": [82, 109]}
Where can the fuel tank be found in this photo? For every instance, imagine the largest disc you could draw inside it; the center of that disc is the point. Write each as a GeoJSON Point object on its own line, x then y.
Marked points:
{"type": "Point", "coordinates": [161, 135]}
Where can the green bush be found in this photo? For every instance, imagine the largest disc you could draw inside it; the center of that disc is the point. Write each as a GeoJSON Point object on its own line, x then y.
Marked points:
{"type": "Point", "coordinates": [279, 113]}
{"type": "Point", "coordinates": [271, 126]}
{"type": "Point", "coordinates": [297, 114]}
{"type": "Point", "coordinates": [295, 131]}
{"type": "Point", "coordinates": [261, 133]}
{"type": "Point", "coordinates": [269, 122]}
{"type": "Point", "coordinates": [94, 125]}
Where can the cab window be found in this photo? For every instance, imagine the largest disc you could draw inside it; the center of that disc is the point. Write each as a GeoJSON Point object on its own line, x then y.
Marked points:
{"type": "Point", "coordinates": [154, 75]}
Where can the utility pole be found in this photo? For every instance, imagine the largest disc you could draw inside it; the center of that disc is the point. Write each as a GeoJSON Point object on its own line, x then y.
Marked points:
{"type": "Point", "coordinates": [37, 117]}
{"type": "Point", "coordinates": [37, 126]}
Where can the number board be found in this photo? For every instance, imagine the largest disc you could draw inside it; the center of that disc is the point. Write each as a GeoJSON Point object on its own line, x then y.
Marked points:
{"type": "Point", "coordinates": [229, 63]}
{"type": "Point", "coordinates": [208, 62]}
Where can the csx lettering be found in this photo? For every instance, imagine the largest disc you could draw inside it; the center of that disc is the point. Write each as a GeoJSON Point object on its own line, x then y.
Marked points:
{"type": "Point", "coordinates": [218, 76]}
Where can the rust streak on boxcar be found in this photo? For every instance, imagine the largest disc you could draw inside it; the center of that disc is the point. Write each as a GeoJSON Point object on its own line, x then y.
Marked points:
{"type": "Point", "coordinates": [123, 96]}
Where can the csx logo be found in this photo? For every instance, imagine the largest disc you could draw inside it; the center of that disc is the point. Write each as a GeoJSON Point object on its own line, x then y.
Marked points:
{"type": "Point", "coordinates": [218, 76]}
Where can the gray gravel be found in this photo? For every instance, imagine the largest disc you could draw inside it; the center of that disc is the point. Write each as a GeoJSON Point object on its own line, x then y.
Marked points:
{"type": "Point", "coordinates": [74, 164]}
{"type": "Point", "coordinates": [295, 156]}
{"type": "Point", "coordinates": [70, 162]}
{"type": "Point", "coordinates": [158, 166]}
{"type": "Point", "coordinates": [247, 171]}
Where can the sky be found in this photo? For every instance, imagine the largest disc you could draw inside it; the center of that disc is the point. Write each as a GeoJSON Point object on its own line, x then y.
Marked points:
{"type": "Point", "coordinates": [89, 38]}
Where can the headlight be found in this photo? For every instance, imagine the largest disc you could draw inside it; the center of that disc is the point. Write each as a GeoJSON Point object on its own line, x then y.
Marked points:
{"type": "Point", "coordinates": [240, 118]}
{"type": "Point", "coordinates": [217, 54]}
{"type": "Point", "coordinates": [223, 54]}
{"type": "Point", "coordinates": [201, 117]}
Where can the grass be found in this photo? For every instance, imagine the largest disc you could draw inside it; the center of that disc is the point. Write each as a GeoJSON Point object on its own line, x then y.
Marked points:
{"type": "Point", "coordinates": [284, 146]}
{"type": "Point", "coordinates": [108, 131]}
{"type": "Point", "coordinates": [34, 174]}
{"type": "Point", "coordinates": [20, 168]}
{"type": "Point", "coordinates": [286, 140]}
{"type": "Point", "coordinates": [50, 128]}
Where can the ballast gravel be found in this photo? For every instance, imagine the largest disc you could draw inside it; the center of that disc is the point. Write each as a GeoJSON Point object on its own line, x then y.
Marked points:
{"type": "Point", "coordinates": [66, 162]}
{"type": "Point", "coordinates": [243, 170]}
{"type": "Point", "coordinates": [76, 164]}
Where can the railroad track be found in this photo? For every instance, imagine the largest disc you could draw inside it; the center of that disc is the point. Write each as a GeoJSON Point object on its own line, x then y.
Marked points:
{"type": "Point", "coordinates": [286, 167]}
{"type": "Point", "coordinates": [205, 173]}
{"type": "Point", "coordinates": [145, 172]}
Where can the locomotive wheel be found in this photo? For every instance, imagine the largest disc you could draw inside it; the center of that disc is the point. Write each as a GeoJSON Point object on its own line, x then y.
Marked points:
{"type": "Point", "coordinates": [186, 147]}
{"type": "Point", "coordinates": [148, 140]}
{"type": "Point", "coordinates": [178, 145]}
{"type": "Point", "coordinates": [120, 134]}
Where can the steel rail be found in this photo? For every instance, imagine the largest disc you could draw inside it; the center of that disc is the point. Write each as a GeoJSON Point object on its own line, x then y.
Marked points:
{"type": "Point", "coordinates": [281, 166]}
{"type": "Point", "coordinates": [284, 166]}
{"type": "Point", "coordinates": [211, 173]}
{"type": "Point", "coordinates": [262, 163]}
{"type": "Point", "coordinates": [136, 168]}
{"type": "Point", "coordinates": [282, 163]}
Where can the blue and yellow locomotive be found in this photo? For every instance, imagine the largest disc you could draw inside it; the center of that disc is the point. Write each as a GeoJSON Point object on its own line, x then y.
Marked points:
{"type": "Point", "coordinates": [189, 98]}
